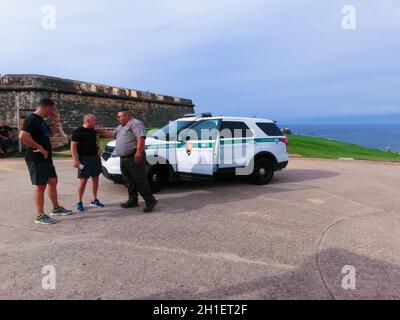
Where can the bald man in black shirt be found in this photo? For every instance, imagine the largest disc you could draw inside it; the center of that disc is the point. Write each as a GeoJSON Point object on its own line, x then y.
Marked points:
{"type": "Point", "coordinates": [85, 155]}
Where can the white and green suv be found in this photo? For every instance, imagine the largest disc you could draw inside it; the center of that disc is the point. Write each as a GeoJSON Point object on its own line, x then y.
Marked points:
{"type": "Point", "coordinates": [205, 147]}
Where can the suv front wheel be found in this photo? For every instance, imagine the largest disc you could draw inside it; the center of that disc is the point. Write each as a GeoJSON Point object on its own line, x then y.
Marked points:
{"type": "Point", "coordinates": [263, 172]}
{"type": "Point", "coordinates": [157, 177]}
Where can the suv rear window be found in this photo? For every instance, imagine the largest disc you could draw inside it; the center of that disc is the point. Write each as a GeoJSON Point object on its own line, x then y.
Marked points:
{"type": "Point", "coordinates": [270, 129]}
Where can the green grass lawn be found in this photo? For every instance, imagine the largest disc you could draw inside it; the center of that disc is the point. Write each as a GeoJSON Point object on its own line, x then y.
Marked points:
{"type": "Point", "coordinates": [311, 147]}
{"type": "Point", "coordinates": [64, 152]}
{"type": "Point", "coordinates": [60, 152]}
{"type": "Point", "coordinates": [308, 147]}
{"type": "Point", "coordinates": [102, 144]}
{"type": "Point", "coordinates": [103, 141]}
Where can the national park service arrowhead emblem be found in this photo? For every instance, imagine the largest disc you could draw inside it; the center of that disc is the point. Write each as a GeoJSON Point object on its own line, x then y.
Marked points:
{"type": "Point", "coordinates": [189, 148]}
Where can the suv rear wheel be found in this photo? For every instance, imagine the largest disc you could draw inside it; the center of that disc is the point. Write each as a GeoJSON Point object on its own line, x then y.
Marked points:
{"type": "Point", "coordinates": [263, 172]}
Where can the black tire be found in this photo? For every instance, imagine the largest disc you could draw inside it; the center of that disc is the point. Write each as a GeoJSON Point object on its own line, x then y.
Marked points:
{"type": "Point", "coordinates": [118, 179]}
{"type": "Point", "coordinates": [157, 177]}
{"type": "Point", "coordinates": [263, 172]}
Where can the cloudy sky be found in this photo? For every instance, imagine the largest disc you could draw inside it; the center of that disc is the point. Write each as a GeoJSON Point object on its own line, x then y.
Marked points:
{"type": "Point", "coordinates": [280, 59]}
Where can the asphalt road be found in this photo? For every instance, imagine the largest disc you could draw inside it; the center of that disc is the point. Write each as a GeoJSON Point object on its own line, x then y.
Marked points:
{"type": "Point", "coordinates": [229, 240]}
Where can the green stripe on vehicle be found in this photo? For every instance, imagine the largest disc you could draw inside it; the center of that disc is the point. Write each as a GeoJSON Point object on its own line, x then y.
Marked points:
{"type": "Point", "coordinates": [259, 140]}
{"type": "Point", "coordinates": [207, 145]}
{"type": "Point", "coordinates": [161, 146]}
{"type": "Point", "coordinates": [198, 145]}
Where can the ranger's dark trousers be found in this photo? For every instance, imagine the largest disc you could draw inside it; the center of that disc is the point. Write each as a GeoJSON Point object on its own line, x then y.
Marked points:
{"type": "Point", "coordinates": [134, 175]}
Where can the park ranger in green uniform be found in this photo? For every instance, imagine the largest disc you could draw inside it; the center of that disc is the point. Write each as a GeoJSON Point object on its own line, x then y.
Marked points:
{"type": "Point", "coordinates": [130, 138]}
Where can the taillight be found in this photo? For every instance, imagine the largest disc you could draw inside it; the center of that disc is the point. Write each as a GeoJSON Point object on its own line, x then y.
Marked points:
{"type": "Point", "coordinates": [284, 140]}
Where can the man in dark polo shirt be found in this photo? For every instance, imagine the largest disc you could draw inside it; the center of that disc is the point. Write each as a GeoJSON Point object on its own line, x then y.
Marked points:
{"type": "Point", "coordinates": [85, 156]}
{"type": "Point", "coordinates": [36, 136]}
{"type": "Point", "coordinates": [131, 136]}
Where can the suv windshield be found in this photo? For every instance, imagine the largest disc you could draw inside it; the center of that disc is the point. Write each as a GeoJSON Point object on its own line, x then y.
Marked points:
{"type": "Point", "coordinates": [171, 130]}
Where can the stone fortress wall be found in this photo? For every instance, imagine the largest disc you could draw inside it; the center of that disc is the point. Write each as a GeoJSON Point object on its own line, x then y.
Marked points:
{"type": "Point", "coordinates": [76, 98]}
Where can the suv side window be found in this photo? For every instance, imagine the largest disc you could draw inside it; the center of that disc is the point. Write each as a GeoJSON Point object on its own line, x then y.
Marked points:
{"type": "Point", "coordinates": [270, 129]}
{"type": "Point", "coordinates": [171, 130]}
{"type": "Point", "coordinates": [237, 129]}
{"type": "Point", "coordinates": [204, 130]}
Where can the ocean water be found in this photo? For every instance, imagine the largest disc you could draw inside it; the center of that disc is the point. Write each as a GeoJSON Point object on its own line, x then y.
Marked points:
{"type": "Point", "coordinates": [377, 136]}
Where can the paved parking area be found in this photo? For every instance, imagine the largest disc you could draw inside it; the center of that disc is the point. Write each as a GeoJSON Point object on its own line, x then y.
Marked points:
{"type": "Point", "coordinates": [229, 240]}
